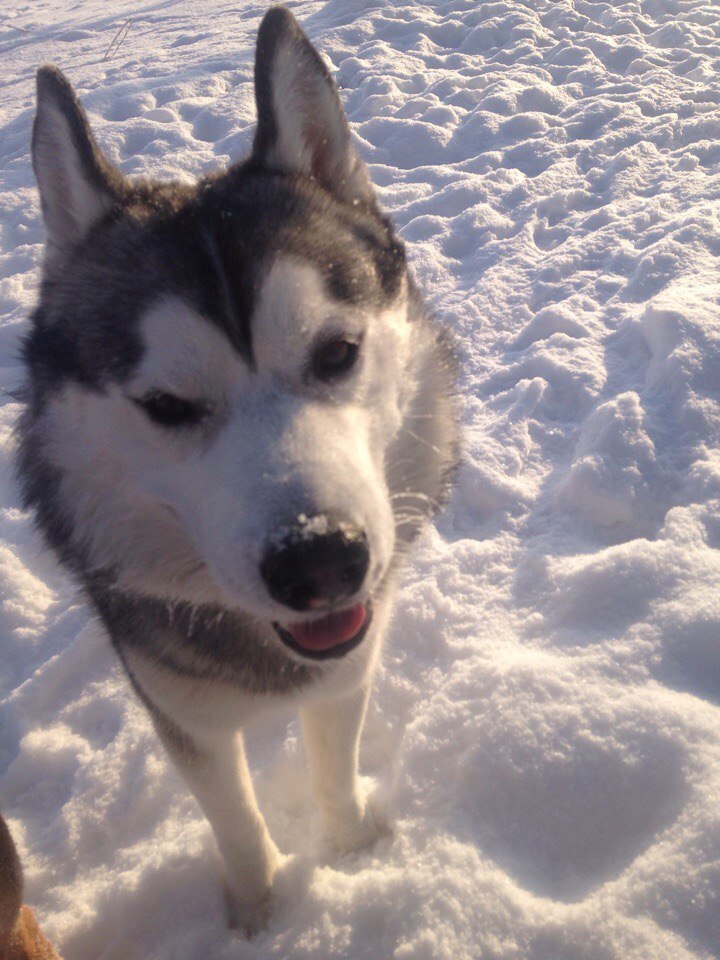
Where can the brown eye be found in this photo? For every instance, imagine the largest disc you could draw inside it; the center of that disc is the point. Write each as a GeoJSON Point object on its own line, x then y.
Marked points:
{"type": "Point", "coordinates": [171, 411]}
{"type": "Point", "coordinates": [334, 358]}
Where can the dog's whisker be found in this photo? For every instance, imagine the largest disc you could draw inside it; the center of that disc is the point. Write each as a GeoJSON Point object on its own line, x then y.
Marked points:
{"type": "Point", "coordinates": [414, 494]}
{"type": "Point", "coordinates": [430, 446]}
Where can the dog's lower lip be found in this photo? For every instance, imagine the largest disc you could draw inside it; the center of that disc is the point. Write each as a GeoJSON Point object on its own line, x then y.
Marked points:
{"type": "Point", "coordinates": [331, 636]}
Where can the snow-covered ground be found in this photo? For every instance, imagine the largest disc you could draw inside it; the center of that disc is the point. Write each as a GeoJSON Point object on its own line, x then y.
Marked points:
{"type": "Point", "coordinates": [544, 738]}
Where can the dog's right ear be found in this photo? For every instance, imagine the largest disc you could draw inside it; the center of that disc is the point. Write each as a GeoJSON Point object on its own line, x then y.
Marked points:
{"type": "Point", "coordinates": [77, 184]}
{"type": "Point", "coordinates": [301, 123]}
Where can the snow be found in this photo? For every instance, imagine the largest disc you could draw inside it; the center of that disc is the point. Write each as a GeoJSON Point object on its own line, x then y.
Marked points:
{"type": "Point", "coordinates": [544, 736]}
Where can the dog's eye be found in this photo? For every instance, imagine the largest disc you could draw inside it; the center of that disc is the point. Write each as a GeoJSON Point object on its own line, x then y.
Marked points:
{"type": "Point", "coordinates": [171, 411]}
{"type": "Point", "coordinates": [334, 358]}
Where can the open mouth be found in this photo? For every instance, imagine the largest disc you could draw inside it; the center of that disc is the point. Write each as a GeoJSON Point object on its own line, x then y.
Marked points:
{"type": "Point", "coordinates": [333, 635]}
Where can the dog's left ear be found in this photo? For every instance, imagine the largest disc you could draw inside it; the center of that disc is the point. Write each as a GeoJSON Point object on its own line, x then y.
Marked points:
{"type": "Point", "coordinates": [301, 123]}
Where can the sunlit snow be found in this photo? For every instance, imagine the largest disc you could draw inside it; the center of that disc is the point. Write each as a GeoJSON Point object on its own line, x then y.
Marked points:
{"type": "Point", "coordinates": [544, 736]}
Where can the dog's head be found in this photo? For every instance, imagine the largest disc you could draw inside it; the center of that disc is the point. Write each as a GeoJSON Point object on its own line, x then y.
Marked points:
{"type": "Point", "coordinates": [235, 397]}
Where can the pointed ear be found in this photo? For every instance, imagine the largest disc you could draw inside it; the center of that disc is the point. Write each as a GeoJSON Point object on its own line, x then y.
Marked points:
{"type": "Point", "coordinates": [301, 123]}
{"type": "Point", "coordinates": [77, 184]}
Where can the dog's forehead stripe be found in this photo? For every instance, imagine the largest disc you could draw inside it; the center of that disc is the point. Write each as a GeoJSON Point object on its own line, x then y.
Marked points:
{"type": "Point", "coordinates": [212, 269]}
{"type": "Point", "coordinates": [233, 301]}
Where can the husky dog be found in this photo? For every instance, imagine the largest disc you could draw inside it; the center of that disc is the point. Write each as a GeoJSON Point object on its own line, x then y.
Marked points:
{"type": "Point", "coordinates": [238, 417]}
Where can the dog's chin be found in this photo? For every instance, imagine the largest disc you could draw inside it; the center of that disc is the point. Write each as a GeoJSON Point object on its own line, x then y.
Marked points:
{"type": "Point", "coordinates": [328, 637]}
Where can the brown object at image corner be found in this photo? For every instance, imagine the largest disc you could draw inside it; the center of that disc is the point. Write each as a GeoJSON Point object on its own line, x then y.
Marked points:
{"type": "Point", "coordinates": [20, 936]}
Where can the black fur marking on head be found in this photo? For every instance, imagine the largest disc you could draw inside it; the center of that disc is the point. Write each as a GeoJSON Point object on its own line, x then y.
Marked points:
{"type": "Point", "coordinates": [213, 244]}
{"type": "Point", "coordinates": [211, 248]}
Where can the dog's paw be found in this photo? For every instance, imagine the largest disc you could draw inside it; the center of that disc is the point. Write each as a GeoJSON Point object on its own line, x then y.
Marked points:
{"type": "Point", "coordinates": [248, 890]}
{"type": "Point", "coordinates": [352, 833]}
{"type": "Point", "coordinates": [250, 917]}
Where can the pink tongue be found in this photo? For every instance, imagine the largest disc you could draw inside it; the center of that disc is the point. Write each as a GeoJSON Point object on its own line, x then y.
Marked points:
{"type": "Point", "coordinates": [329, 631]}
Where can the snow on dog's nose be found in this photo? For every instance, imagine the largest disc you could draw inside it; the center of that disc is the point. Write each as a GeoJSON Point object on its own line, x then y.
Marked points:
{"type": "Point", "coordinates": [316, 563]}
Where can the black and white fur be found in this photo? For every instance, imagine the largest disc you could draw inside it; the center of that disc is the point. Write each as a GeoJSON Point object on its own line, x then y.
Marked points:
{"type": "Point", "coordinates": [220, 296]}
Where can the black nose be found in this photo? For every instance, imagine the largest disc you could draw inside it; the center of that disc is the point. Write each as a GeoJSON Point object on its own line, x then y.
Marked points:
{"type": "Point", "coordinates": [309, 569]}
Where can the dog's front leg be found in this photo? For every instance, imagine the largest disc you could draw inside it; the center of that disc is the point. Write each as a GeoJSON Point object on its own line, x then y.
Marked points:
{"type": "Point", "coordinates": [215, 768]}
{"type": "Point", "coordinates": [332, 738]}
